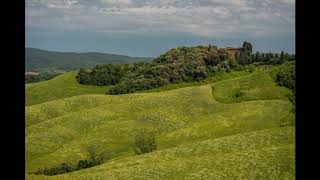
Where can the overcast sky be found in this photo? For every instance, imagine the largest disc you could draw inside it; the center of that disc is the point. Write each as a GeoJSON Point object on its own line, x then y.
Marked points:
{"type": "Point", "coordinates": [150, 27]}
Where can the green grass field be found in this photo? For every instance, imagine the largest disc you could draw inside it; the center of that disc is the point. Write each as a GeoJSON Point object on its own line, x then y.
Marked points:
{"type": "Point", "coordinates": [205, 131]}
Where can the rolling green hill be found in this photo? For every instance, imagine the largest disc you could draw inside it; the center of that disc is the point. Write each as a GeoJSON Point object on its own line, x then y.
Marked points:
{"type": "Point", "coordinates": [265, 154]}
{"type": "Point", "coordinates": [37, 59]}
{"type": "Point", "coordinates": [203, 132]}
{"type": "Point", "coordinates": [66, 85]}
{"type": "Point", "coordinates": [62, 86]}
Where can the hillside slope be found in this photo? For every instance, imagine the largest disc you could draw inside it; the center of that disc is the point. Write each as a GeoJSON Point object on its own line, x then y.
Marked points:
{"type": "Point", "coordinates": [66, 85]}
{"type": "Point", "coordinates": [37, 59]}
{"type": "Point", "coordinates": [265, 154]}
{"type": "Point", "coordinates": [62, 86]}
{"type": "Point", "coordinates": [201, 134]}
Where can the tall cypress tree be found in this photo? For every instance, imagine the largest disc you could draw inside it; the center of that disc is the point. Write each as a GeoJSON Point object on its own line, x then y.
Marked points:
{"type": "Point", "coordinates": [245, 54]}
{"type": "Point", "coordinates": [268, 57]}
{"type": "Point", "coordinates": [242, 59]}
{"type": "Point", "coordinates": [282, 57]}
{"type": "Point", "coordinates": [237, 56]}
{"type": "Point", "coordinates": [257, 57]}
{"type": "Point", "coordinates": [262, 56]}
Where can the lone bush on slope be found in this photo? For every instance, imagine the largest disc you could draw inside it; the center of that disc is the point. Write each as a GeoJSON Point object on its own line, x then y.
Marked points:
{"type": "Point", "coordinates": [144, 143]}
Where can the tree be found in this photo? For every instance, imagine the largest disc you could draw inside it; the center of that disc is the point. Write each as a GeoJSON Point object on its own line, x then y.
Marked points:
{"type": "Point", "coordinates": [263, 57]}
{"type": "Point", "coordinates": [101, 75]}
{"type": "Point", "coordinates": [245, 53]}
{"type": "Point", "coordinates": [237, 57]}
{"type": "Point", "coordinates": [292, 57]}
{"type": "Point", "coordinates": [213, 57]}
{"type": "Point", "coordinates": [286, 56]}
{"type": "Point", "coordinates": [223, 54]}
{"type": "Point", "coordinates": [268, 57]}
{"type": "Point", "coordinates": [271, 55]}
{"type": "Point", "coordinates": [232, 63]}
{"type": "Point", "coordinates": [211, 48]}
{"type": "Point", "coordinates": [282, 57]}
{"type": "Point", "coordinates": [200, 73]}
{"type": "Point", "coordinates": [242, 59]}
{"type": "Point", "coordinates": [83, 76]}
{"type": "Point", "coordinates": [260, 56]}
{"type": "Point", "coordinates": [257, 56]}
{"type": "Point", "coordinates": [253, 57]}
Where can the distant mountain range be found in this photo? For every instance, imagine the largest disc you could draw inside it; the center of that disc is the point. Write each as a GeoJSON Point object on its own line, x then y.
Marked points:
{"type": "Point", "coordinates": [41, 60]}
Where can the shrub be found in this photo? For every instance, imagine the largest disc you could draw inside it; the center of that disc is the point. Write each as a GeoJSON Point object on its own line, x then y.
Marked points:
{"type": "Point", "coordinates": [239, 68]}
{"type": "Point", "coordinates": [82, 164]}
{"type": "Point", "coordinates": [212, 69]}
{"type": "Point", "coordinates": [94, 160]}
{"type": "Point", "coordinates": [232, 63]}
{"type": "Point", "coordinates": [238, 93]}
{"type": "Point", "coordinates": [60, 169]}
{"type": "Point", "coordinates": [228, 69]}
{"type": "Point", "coordinates": [287, 77]}
{"type": "Point", "coordinates": [251, 68]}
{"type": "Point", "coordinates": [144, 143]}
{"type": "Point", "coordinates": [292, 98]}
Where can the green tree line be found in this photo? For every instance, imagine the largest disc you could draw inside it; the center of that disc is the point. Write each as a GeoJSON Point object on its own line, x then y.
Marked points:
{"type": "Point", "coordinates": [182, 64]}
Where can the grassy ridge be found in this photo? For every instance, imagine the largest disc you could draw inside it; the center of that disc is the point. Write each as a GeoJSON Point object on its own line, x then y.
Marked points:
{"type": "Point", "coordinates": [59, 87]}
{"type": "Point", "coordinates": [66, 85]}
{"type": "Point", "coordinates": [257, 87]}
{"type": "Point", "coordinates": [58, 131]}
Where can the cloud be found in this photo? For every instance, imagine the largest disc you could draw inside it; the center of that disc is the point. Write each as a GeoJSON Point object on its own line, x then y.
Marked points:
{"type": "Point", "coordinates": [206, 18]}
{"type": "Point", "coordinates": [116, 1]}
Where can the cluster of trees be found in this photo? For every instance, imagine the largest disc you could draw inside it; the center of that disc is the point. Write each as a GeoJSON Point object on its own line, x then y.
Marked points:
{"type": "Point", "coordinates": [30, 78]}
{"type": "Point", "coordinates": [272, 58]}
{"type": "Point", "coordinates": [247, 57]}
{"type": "Point", "coordinates": [182, 64]}
{"type": "Point", "coordinates": [94, 160]}
{"type": "Point", "coordinates": [101, 75]}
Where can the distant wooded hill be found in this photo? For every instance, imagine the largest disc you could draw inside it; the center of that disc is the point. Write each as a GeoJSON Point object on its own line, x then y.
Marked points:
{"type": "Point", "coordinates": [37, 59]}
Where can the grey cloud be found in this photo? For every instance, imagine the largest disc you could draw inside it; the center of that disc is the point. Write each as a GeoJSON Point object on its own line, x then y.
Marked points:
{"type": "Point", "coordinates": [208, 18]}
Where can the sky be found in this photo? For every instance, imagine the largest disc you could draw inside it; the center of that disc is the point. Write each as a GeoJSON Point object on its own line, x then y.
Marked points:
{"type": "Point", "coordinates": [151, 27]}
